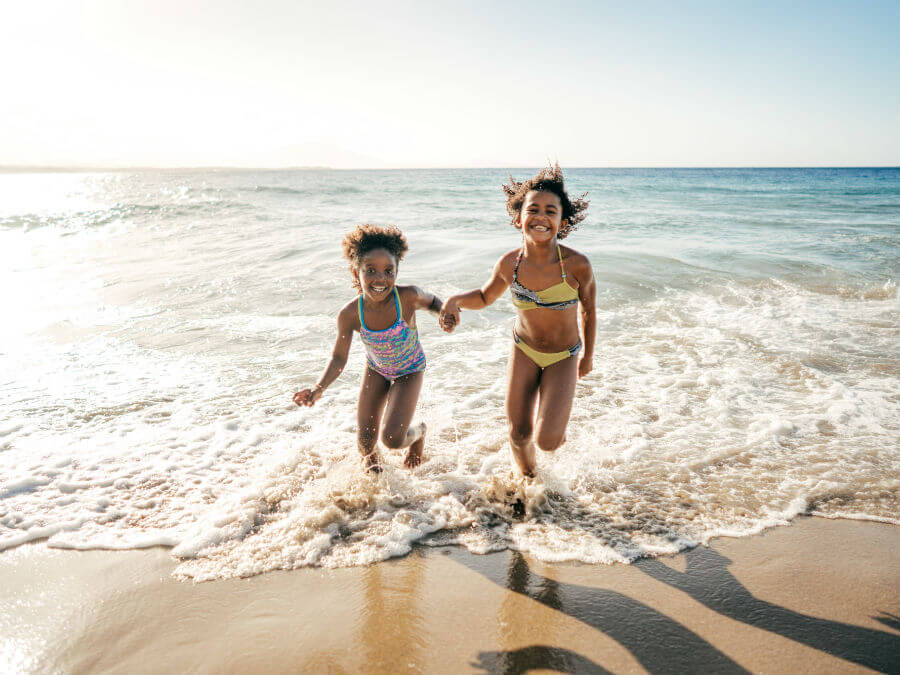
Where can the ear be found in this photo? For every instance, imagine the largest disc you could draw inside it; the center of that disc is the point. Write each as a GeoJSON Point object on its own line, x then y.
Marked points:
{"type": "Point", "coordinates": [517, 223]}
{"type": "Point", "coordinates": [563, 223]}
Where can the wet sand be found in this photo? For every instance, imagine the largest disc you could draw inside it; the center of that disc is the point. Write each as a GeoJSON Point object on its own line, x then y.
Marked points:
{"type": "Point", "coordinates": [820, 596]}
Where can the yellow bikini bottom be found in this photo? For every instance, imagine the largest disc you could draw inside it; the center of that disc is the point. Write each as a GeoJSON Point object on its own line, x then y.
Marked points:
{"type": "Point", "coordinates": [544, 359]}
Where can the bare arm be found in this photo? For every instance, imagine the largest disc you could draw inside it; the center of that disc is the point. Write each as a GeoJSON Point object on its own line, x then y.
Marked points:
{"type": "Point", "coordinates": [338, 360]}
{"type": "Point", "coordinates": [427, 301]}
{"type": "Point", "coordinates": [478, 298]}
{"type": "Point", "coordinates": [587, 301]}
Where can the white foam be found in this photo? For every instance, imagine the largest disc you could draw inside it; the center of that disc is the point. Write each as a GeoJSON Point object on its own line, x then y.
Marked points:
{"type": "Point", "coordinates": [141, 413]}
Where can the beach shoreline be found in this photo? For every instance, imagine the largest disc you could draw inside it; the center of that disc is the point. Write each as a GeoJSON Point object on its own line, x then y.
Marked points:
{"type": "Point", "coordinates": [165, 318]}
{"type": "Point", "coordinates": [818, 596]}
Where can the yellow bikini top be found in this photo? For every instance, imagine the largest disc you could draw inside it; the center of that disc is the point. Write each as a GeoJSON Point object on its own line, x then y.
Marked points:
{"type": "Point", "coordinates": [558, 296]}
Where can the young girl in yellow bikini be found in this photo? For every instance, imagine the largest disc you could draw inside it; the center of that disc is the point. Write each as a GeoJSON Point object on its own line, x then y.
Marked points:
{"type": "Point", "coordinates": [544, 363]}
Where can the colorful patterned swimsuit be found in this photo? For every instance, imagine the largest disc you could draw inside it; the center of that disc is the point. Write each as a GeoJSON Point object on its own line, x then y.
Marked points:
{"type": "Point", "coordinates": [394, 351]}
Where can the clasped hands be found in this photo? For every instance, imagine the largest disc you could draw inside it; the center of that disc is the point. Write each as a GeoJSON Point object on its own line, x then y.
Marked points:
{"type": "Point", "coordinates": [448, 319]}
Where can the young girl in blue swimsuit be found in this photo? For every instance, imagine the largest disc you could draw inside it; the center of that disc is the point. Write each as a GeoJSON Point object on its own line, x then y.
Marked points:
{"type": "Point", "coordinates": [384, 315]}
{"type": "Point", "coordinates": [543, 363]}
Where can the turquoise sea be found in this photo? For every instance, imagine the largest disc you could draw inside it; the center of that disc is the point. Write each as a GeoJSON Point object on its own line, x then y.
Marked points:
{"type": "Point", "coordinates": [747, 367]}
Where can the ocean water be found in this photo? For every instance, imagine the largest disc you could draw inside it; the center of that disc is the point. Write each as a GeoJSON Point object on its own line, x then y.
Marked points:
{"type": "Point", "coordinates": [156, 324]}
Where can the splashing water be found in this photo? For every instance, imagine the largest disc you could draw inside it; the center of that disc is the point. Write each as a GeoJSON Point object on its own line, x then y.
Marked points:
{"type": "Point", "coordinates": [746, 366]}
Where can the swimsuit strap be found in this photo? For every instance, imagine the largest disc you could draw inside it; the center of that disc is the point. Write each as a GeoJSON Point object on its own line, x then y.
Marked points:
{"type": "Point", "coordinates": [562, 268]}
{"type": "Point", "coordinates": [397, 304]}
{"type": "Point", "coordinates": [518, 260]}
{"type": "Point", "coordinates": [362, 322]}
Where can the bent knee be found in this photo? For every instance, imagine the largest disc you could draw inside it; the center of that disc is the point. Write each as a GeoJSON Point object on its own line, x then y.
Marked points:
{"type": "Point", "coordinates": [548, 442]}
{"type": "Point", "coordinates": [393, 439]}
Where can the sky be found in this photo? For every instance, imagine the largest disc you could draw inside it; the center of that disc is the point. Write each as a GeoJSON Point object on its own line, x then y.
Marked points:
{"type": "Point", "coordinates": [461, 84]}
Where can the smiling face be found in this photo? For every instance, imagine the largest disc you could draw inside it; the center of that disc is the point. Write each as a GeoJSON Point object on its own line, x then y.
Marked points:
{"type": "Point", "coordinates": [376, 273]}
{"type": "Point", "coordinates": [541, 216]}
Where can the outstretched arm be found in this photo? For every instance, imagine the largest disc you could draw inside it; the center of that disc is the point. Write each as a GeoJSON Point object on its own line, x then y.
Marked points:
{"type": "Point", "coordinates": [427, 301]}
{"type": "Point", "coordinates": [478, 298]}
{"type": "Point", "coordinates": [338, 360]}
{"type": "Point", "coordinates": [587, 301]}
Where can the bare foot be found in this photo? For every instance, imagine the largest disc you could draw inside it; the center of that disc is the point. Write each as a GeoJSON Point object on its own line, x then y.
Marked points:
{"type": "Point", "coordinates": [371, 463]}
{"type": "Point", "coordinates": [416, 448]}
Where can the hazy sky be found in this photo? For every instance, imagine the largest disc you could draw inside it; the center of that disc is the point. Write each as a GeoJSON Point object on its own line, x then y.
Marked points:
{"type": "Point", "coordinates": [181, 83]}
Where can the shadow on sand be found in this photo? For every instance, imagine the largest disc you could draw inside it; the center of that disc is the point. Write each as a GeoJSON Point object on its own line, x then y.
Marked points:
{"type": "Point", "coordinates": [537, 657]}
{"type": "Point", "coordinates": [661, 644]}
{"type": "Point", "coordinates": [708, 581]}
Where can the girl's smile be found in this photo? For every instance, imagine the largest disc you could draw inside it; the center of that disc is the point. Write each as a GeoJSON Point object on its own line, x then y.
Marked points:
{"type": "Point", "coordinates": [540, 217]}
{"type": "Point", "coordinates": [377, 272]}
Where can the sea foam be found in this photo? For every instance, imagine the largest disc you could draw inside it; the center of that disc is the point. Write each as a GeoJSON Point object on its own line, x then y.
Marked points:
{"type": "Point", "coordinates": [147, 380]}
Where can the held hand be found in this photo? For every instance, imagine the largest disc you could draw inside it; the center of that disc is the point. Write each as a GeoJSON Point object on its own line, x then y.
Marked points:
{"type": "Point", "coordinates": [449, 316]}
{"type": "Point", "coordinates": [308, 397]}
{"type": "Point", "coordinates": [448, 323]}
{"type": "Point", "coordinates": [585, 366]}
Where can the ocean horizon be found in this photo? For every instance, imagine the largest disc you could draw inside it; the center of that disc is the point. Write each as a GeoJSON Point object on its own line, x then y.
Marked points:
{"type": "Point", "coordinates": [91, 168]}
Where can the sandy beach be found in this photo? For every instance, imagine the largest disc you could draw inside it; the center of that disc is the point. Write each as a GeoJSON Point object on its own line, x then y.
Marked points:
{"type": "Point", "coordinates": [820, 596]}
{"type": "Point", "coordinates": [231, 238]}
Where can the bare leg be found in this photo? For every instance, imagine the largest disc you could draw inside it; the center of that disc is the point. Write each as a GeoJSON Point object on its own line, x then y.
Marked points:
{"type": "Point", "coordinates": [557, 388]}
{"type": "Point", "coordinates": [521, 394]}
{"type": "Point", "coordinates": [373, 394]}
{"type": "Point", "coordinates": [398, 430]}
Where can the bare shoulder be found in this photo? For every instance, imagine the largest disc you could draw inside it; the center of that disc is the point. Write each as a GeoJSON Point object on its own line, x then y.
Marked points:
{"type": "Point", "coordinates": [507, 262]}
{"type": "Point", "coordinates": [410, 296]}
{"type": "Point", "coordinates": [348, 317]}
{"type": "Point", "coordinates": [577, 263]}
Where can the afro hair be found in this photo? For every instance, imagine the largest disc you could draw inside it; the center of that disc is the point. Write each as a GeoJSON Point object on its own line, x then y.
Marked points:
{"type": "Point", "coordinates": [549, 179]}
{"type": "Point", "coordinates": [366, 238]}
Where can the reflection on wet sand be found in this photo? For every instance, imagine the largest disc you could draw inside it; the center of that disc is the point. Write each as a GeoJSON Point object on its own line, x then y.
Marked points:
{"type": "Point", "coordinates": [513, 629]}
{"type": "Point", "coordinates": [393, 590]}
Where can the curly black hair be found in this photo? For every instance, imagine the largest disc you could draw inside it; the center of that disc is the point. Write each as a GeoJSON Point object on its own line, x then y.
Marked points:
{"type": "Point", "coordinates": [367, 238]}
{"type": "Point", "coordinates": [549, 179]}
